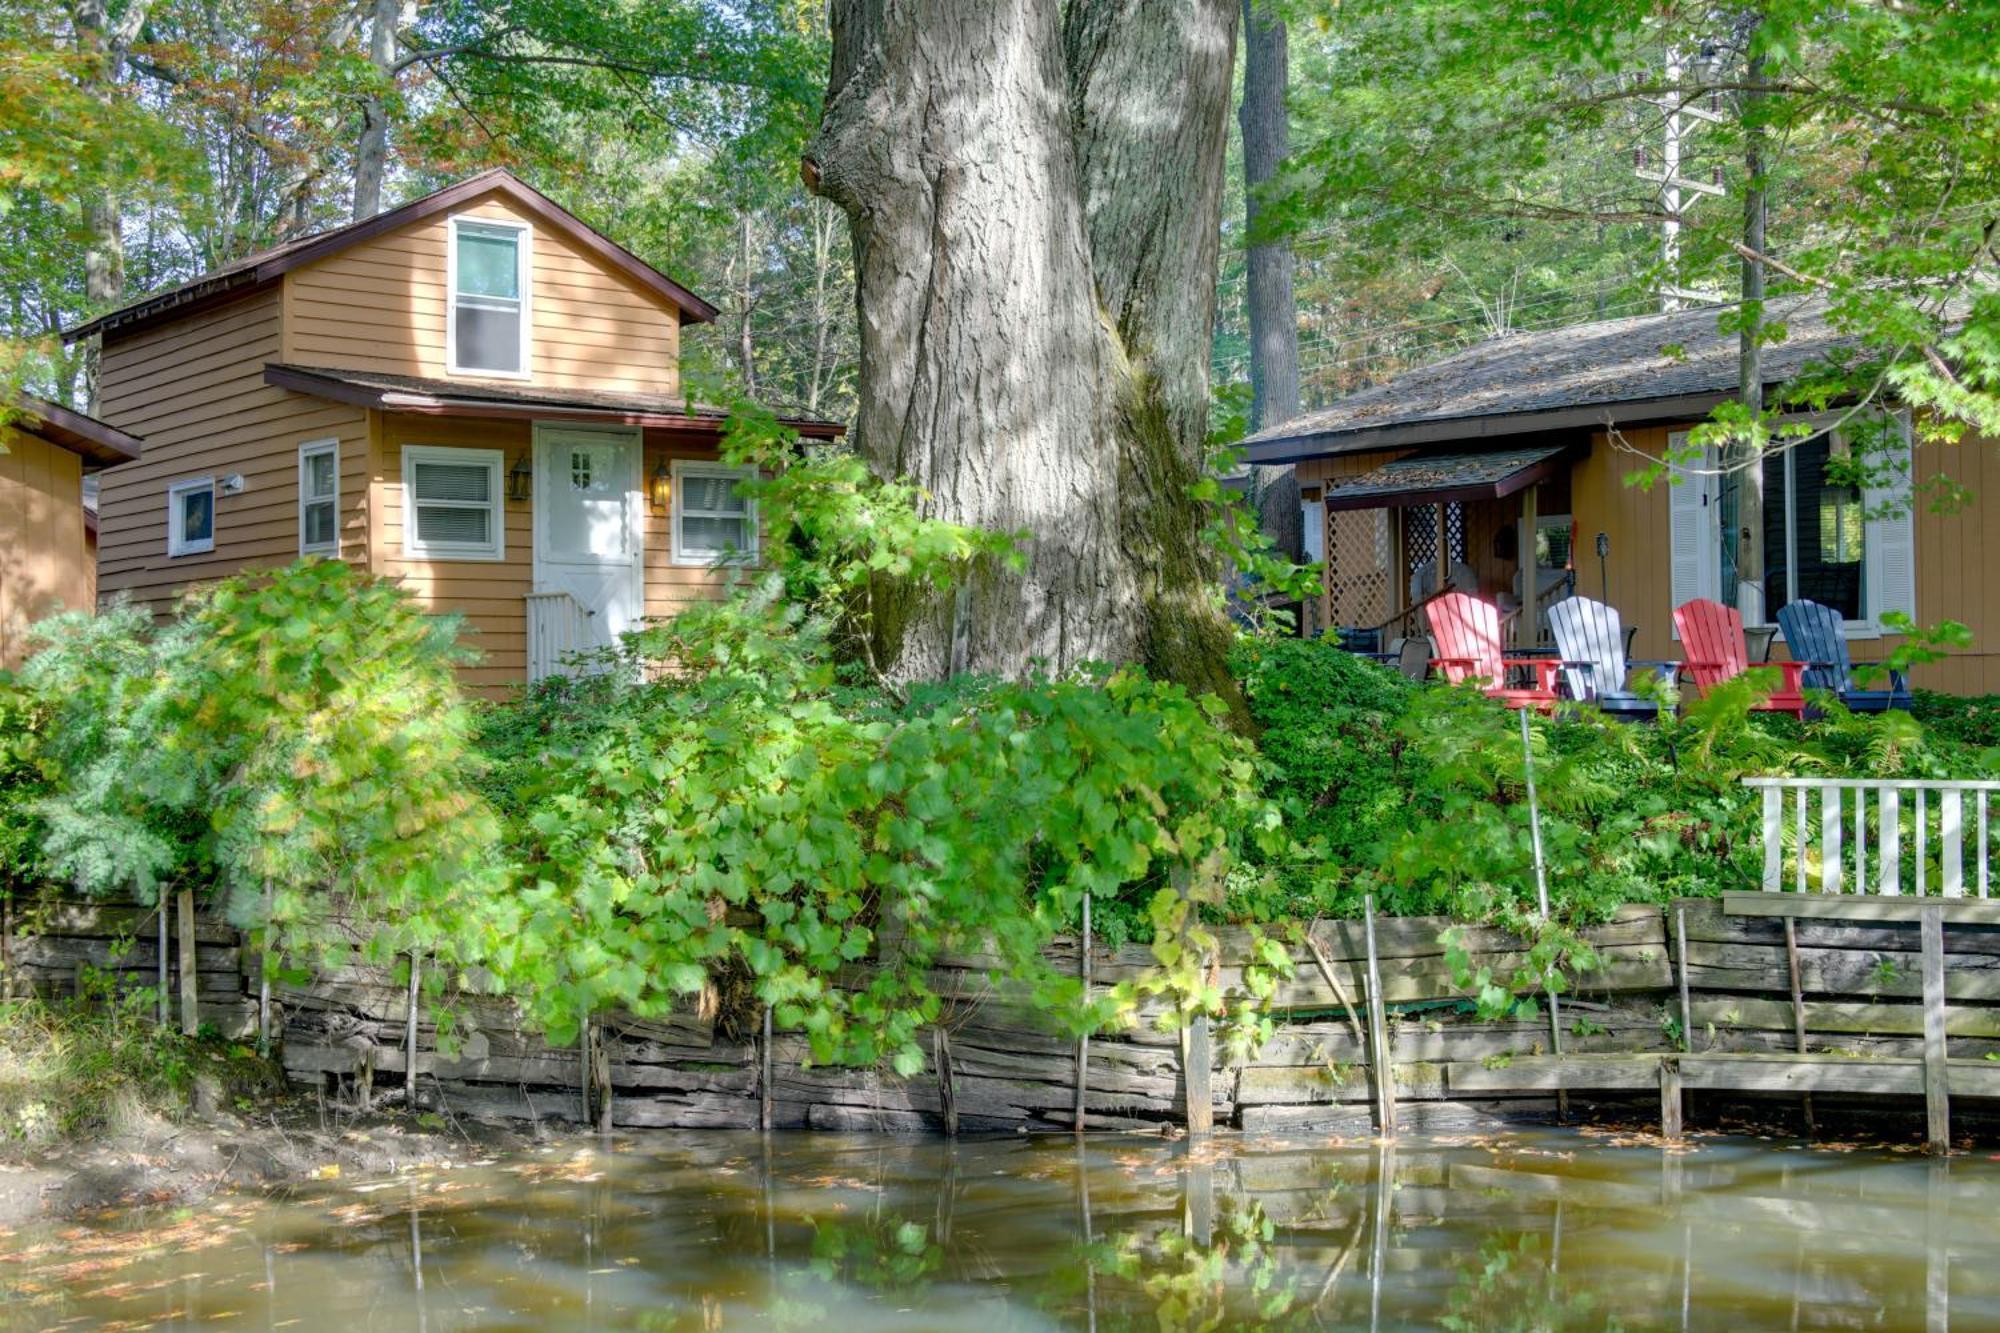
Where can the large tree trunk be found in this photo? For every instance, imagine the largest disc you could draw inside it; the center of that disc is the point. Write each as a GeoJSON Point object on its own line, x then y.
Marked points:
{"type": "Point", "coordinates": [1034, 197]}
{"type": "Point", "coordinates": [1749, 458]}
{"type": "Point", "coordinates": [371, 152]}
{"type": "Point", "coordinates": [1273, 309]}
{"type": "Point", "coordinates": [106, 40]}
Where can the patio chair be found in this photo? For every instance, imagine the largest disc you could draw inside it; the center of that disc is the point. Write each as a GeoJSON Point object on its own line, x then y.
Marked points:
{"type": "Point", "coordinates": [1411, 656]}
{"type": "Point", "coordinates": [1712, 636]}
{"type": "Point", "coordinates": [1813, 636]}
{"type": "Point", "coordinates": [1593, 647]}
{"type": "Point", "coordinates": [1467, 631]}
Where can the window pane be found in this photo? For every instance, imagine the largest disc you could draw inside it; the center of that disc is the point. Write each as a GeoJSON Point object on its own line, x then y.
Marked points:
{"type": "Point", "coordinates": [489, 339]}
{"type": "Point", "coordinates": [319, 524]}
{"type": "Point", "coordinates": [197, 516]}
{"type": "Point", "coordinates": [712, 494]}
{"type": "Point", "coordinates": [712, 536]}
{"type": "Point", "coordinates": [488, 262]}
{"type": "Point", "coordinates": [470, 482]}
{"type": "Point", "coordinates": [319, 476]}
{"type": "Point", "coordinates": [467, 526]}
{"type": "Point", "coordinates": [1829, 523]}
{"type": "Point", "coordinates": [1777, 538]}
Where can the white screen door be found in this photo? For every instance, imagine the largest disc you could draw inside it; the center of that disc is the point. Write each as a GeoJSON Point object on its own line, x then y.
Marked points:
{"type": "Point", "coordinates": [589, 527]}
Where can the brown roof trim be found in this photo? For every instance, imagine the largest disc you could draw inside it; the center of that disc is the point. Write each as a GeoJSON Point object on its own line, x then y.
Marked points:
{"type": "Point", "coordinates": [256, 270]}
{"type": "Point", "coordinates": [99, 443]}
{"type": "Point", "coordinates": [1452, 430]}
{"type": "Point", "coordinates": [1529, 474]}
{"type": "Point", "coordinates": [664, 416]}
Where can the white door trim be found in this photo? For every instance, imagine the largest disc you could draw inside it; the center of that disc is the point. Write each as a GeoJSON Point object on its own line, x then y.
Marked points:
{"type": "Point", "coordinates": [548, 436]}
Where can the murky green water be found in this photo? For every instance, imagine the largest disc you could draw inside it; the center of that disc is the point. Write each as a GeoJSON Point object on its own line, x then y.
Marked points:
{"type": "Point", "coordinates": [827, 1232]}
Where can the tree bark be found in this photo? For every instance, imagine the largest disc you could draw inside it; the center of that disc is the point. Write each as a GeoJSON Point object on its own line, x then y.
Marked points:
{"type": "Point", "coordinates": [107, 40]}
{"type": "Point", "coordinates": [1750, 369]}
{"type": "Point", "coordinates": [1272, 307]}
{"type": "Point", "coordinates": [1034, 198]}
{"type": "Point", "coordinates": [371, 152]}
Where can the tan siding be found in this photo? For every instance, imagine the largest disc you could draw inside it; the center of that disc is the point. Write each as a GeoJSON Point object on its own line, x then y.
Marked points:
{"type": "Point", "coordinates": [45, 560]}
{"type": "Point", "coordinates": [381, 306]}
{"type": "Point", "coordinates": [489, 593]}
{"type": "Point", "coordinates": [1954, 579]}
{"type": "Point", "coordinates": [194, 391]}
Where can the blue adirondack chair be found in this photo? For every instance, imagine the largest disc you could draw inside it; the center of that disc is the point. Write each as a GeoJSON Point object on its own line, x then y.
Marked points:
{"type": "Point", "coordinates": [1592, 645]}
{"type": "Point", "coordinates": [1813, 636]}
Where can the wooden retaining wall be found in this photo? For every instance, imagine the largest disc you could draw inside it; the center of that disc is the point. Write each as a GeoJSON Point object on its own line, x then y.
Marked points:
{"type": "Point", "coordinates": [994, 1067]}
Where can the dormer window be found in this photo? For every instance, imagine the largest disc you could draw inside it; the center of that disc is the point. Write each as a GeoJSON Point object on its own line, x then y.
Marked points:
{"type": "Point", "coordinates": [489, 318]}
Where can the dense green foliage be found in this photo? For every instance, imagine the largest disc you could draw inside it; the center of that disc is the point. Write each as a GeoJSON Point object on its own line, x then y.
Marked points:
{"type": "Point", "coordinates": [1418, 794]}
{"type": "Point", "coordinates": [295, 746]}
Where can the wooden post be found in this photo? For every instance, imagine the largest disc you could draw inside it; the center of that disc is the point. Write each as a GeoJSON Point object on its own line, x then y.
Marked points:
{"type": "Point", "coordinates": [1670, 1098]}
{"type": "Point", "coordinates": [264, 978]}
{"type": "Point", "coordinates": [1381, 1058]}
{"type": "Point", "coordinates": [160, 906]}
{"type": "Point", "coordinates": [1083, 1041]}
{"type": "Point", "coordinates": [764, 1075]}
{"type": "Point", "coordinates": [410, 1032]}
{"type": "Point", "coordinates": [1525, 627]}
{"type": "Point", "coordinates": [1196, 1057]}
{"type": "Point", "coordinates": [1937, 1247]}
{"type": "Point", "coordinates": [1937, 1096]}
{"type": "Point", "coordinates": [1798, 1007]}
{"type": "Point", "coordinates": [947, 1097]}
{"type": "Point", "coordinates": [1681, 970]}
{"type": "Point", "coordinates": [190, 1009]}
{"type": "Point", "coordinates": [598, 1056]}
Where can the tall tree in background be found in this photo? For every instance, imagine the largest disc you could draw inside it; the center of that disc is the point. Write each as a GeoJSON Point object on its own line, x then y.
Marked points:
{"type": "Point", "coordinates": [1265, 119]}
{"type": "Point", "coordinates": [1035, 196]}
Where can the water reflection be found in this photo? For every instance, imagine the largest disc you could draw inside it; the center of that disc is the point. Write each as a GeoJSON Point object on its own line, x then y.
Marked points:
{"type": "Point", "coordinates": [1555, 1231]}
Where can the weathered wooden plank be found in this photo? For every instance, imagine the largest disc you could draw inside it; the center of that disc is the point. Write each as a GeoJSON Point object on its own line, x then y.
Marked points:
{"type": "Point", "coordinates": [1856, 907]}
{"type": "Point", "coordinates": [1790, 1072]}
{"type": "Point", "coordinates": [111, 921]}
{"type": "Point", "coordinates": [1844, 972]}
{"type": "Point", "coordinates": [1830, 1016]}
{"type": "Point", "coordinates": [1548, 1073]}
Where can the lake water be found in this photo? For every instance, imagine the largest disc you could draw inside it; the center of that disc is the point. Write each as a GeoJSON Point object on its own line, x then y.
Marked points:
{"type": "Point", "coordinates": [719, 1230]}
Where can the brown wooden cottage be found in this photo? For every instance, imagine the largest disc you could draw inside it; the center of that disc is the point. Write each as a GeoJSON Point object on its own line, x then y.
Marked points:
{"type": "Point", "coordinates": [1502, 468]}
{"type": "Point", "coordinates": [48, 531]}
{"type": "Point", "coordinates": [476, 394]}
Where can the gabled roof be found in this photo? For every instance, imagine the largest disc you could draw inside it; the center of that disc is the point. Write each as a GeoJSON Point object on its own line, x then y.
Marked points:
{"type": "Point", "coordinates": [1422, 479]}
{"type": "Point", "coordinates": [453, 398]}
{"type": "Point", "coordinates": [99, 444]}
{"type": "Point", "coordinates": [258, 270]}
{"type": "Point", "coordinates": [1646, 368]}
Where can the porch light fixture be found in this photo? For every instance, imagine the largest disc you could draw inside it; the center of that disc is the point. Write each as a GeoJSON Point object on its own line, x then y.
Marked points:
{"type": "Point", "coordinates": [520, 479]}
{"type": "Point", "coordinates": [660, 488]}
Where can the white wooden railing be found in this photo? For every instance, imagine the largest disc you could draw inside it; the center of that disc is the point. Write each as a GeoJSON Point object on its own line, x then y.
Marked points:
{"type": "Point", "coordinates": [1864, 826]}
{"type": "Point", "coordinates": [555, 630]}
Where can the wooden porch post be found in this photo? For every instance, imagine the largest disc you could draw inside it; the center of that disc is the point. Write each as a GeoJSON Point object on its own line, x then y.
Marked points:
{"type": "Point", "coordinates": [1526, 625]}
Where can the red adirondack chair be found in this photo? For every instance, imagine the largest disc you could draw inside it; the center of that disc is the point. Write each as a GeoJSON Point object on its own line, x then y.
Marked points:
{"type": "Point", "coordinates": [1712, 637]}
{"type": "Point", "coordinates": [1467, 631]}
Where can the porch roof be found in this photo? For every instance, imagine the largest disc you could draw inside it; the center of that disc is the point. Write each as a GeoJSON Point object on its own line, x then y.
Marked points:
{"type": "Point", "coordinates": [1444, 478]}
{"type": "Point", "coordinates": [454, 398]}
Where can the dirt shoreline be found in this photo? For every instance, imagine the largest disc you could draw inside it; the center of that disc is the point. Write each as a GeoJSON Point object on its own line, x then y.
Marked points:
{"type": "Point", "coordinates": [156, 1160]}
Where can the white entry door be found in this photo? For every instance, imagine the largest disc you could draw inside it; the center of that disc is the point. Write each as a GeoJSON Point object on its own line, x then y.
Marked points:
{"type": "Point", "coordinates": [590, 527]}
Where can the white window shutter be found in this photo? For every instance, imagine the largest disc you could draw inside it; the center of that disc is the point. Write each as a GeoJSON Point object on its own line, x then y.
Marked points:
{"type": "Point", "coordinates": [1891, 550]}
{"type": "Point", "coordinates": [1695, 560]}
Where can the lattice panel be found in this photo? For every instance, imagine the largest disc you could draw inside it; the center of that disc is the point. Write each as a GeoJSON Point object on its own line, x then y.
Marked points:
{"type": "Point", "coordinates": [1359, 586]}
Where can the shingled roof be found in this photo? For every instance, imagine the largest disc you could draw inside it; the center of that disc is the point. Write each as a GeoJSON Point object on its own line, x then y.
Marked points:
{"type": "Point", "coordinates": [1649, 367]}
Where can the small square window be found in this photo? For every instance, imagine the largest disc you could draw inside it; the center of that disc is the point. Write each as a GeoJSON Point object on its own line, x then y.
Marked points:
{"type": "Point", "coordinates": [713, 519]}
{"type": "Point", "coordinates": [452, 504]}
{"type": "Point", "coordinates": [191, 517]}
{"type": "Point", "coordinates": [319, 498]}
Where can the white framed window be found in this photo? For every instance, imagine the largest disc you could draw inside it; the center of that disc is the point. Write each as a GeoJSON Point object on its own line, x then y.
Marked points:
{"type": "Point", "coordinates": [489, 302]}
{"type": "Point", "coordinates": [191, 517]}
{"type": "Point", "coordinates": [452, 506]}
{"type": "Point", "coordinates": [319, 497]}
{"type": "Point", "coordinates": [1845, 547]}
{"type": "Point", "coordinates": [713, 519]}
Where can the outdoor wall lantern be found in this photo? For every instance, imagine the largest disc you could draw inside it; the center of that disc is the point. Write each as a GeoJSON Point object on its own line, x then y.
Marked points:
{"type": "Point", "coordinates": [520, 479]}
{"type": "Point", "coordinates": [660, 487]}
